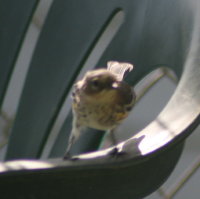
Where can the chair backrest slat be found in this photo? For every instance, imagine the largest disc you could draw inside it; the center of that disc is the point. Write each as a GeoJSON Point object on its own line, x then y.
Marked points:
{"type": "Point", "coordinates": [14, 19]}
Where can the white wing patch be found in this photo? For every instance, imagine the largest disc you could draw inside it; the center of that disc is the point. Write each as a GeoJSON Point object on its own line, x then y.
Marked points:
{"type": "Point", "coordinates": [119, 68]}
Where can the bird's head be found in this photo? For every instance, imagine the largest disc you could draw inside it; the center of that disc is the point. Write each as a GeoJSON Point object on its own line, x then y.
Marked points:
{"type": "Point", "coordinates": [98, 81]}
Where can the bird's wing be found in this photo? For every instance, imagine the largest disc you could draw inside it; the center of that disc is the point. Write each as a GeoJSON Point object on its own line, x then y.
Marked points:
{"type": "Point", "coordinates": [119, 68]}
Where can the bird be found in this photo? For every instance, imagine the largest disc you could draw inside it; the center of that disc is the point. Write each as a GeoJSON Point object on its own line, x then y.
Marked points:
{"type": "Point", "coordinates": [101, 100]}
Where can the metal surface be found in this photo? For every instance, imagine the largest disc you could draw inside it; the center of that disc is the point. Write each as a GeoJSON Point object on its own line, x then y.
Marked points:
{"type": "Point", "coordinates": [155, 33]}
{"type": "Point", "coordinates": [105, 177]}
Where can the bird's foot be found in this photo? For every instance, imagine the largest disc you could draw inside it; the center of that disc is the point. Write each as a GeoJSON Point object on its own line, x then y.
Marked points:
{"type": "Point", "coordinates": [68, 156]}
{"type": "Point", "coordinates": [116, 152]}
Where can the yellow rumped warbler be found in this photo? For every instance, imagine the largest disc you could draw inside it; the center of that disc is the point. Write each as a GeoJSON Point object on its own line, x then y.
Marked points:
{"type": "Point", "coordinates": [101, 100]}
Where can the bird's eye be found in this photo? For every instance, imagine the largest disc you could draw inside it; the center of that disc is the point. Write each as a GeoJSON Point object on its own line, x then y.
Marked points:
{"type": "Point", "coordinates": [95, 83]}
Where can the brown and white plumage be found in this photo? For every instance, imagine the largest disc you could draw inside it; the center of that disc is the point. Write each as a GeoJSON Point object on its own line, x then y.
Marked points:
{"type": "Point", "coordinates": [101, 100]}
